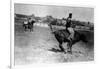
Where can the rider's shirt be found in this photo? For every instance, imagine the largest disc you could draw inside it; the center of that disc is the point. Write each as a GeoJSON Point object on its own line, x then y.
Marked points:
{"type": "Point", "coordinates": [68, 22]}
{"type": "Point", "coordinates": [29, 21]}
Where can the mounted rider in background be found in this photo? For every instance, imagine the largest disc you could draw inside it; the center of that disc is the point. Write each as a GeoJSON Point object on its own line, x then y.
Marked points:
{"type": "Point", "coordinates": [69, 27]}
{"type": "Point", "coordinates": [31, 23]}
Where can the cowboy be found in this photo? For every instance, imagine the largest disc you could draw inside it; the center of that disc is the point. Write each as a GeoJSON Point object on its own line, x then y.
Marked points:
{"type": "Point", "coordinates": [29, 20]}
{"type": "Point", "coordinates": [69, 28]}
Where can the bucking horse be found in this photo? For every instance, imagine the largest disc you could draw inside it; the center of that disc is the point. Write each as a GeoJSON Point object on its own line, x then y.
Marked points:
{"type": "Point", "coordinates": [62, 37]}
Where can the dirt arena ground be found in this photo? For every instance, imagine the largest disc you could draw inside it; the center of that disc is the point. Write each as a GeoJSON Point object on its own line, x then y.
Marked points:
{"type": "Point", "coordinates": [36, 47]}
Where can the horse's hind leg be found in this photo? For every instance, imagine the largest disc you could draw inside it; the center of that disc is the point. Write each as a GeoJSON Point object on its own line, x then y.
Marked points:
{"type": "Point", "coordinates": [69, 48]}
{"type": "Point", "coordinates": [32, 29]}
{"type": "Point", "coordinates": [24, 28]}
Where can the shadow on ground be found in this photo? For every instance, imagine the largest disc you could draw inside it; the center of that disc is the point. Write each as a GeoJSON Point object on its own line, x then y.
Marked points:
{"type": "Point", "coordinates": [55, 50]}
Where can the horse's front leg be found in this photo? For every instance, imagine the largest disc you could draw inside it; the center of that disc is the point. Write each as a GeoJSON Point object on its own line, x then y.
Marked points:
{"type": "Point", "coordinates": [69, 48]}
{"type": "Point", "coordinates": [61, 47]}
{"type": "Point", "coordinates": [31, 28]}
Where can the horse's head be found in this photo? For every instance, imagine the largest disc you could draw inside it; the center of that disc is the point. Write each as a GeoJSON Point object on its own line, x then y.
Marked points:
{"type": "Point", "coordinates": [83, 38]}
{"type": "Point", "coordinates": [79, 36]}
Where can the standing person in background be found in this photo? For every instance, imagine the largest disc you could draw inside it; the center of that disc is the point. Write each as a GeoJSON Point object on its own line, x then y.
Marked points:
{"type": "Point", "coordinates": [30, 27]}
{"type": "Point", "coordinates": [69, 27]}
{"type": "Point", "coordinates": [25, 25]}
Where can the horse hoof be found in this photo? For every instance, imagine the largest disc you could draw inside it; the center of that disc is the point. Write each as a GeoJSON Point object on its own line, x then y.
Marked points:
{"type": "Point", "coordinates": [64, 52]}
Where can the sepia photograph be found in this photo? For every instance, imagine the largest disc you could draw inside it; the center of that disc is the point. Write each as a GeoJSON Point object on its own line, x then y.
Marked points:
{"type": "Point", "coordinates": [53, 34]}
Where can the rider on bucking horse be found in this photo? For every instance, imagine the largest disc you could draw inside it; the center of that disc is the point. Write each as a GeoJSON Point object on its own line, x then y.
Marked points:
{"type": "Point", "coordinates": [69, 27]}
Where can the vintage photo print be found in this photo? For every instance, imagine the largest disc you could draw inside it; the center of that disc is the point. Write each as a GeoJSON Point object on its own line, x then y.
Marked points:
{"type": "Point", "coordinates": [52, 34]}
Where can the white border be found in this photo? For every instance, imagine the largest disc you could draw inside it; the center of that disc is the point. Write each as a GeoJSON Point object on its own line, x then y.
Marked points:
{"type": "Point", "coordinates": [73, 3]}
{"type": "Point", "coordinates": [45, 66]}
{"type": "Point", "coordinates": [12, 34]}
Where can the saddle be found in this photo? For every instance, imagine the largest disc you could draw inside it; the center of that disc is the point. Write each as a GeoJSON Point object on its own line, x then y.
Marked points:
{"type": "Point", "coordinates": [65, 33]}
{"type": "Point", "coordinates": [68, 34]}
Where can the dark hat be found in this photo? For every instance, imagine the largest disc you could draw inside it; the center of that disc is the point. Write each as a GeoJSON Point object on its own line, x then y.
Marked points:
{"type": "Point", "coordinates": [29, 18]}
{"type": "Point", "coordinates": [70, 15]}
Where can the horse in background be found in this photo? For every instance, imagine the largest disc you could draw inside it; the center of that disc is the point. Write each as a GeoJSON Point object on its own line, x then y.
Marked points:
{"type": "Point", "coordinates": [28, 25]}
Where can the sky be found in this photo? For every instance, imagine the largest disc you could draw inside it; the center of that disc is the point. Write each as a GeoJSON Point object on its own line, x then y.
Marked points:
{"type": "Point", "coordinates": [79, 13]}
